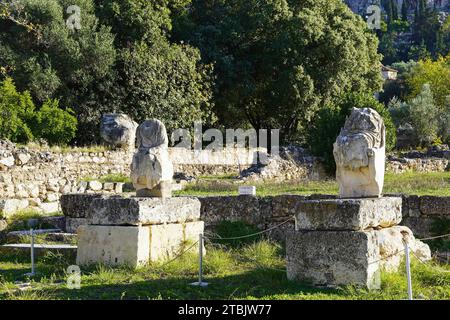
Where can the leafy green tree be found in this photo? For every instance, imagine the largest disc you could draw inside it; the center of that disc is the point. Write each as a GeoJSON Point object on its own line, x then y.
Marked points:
{"type": "Point", "coordinates": [158, 78]}
{"type": "Point", "coordinates": [16, 113]}
{"type": "Point", "coordinates": [436, 74]}
{"type": "Point", "coordinates": [20, 122]}
{"type": "Point", "coordinates": [277, 62]}
{"type": "Point", "coordinates": [50, 60]}
{"type": "Point", "coordinates": [424, 115]}
{"type": "Point", "coordinates": [329, 121]}
{"type": "Point", "coordinates": [56, 126]}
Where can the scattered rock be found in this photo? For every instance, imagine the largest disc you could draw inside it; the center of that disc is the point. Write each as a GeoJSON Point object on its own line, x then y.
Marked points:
{"type": "Point", "coordinates": [95, 185]}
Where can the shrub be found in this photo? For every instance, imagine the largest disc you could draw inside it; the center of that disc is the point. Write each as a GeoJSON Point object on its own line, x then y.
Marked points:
{"type": "Point", "coordinates": [55, 125]}
{"type": "Point", "coordinates": [19, 121]}
{"type": "Point", "coordinates": [329, 121]}
{"type": "Point", "coordinates": [424, 115]}
{"type": "Point", "coordinates": [16, 113]}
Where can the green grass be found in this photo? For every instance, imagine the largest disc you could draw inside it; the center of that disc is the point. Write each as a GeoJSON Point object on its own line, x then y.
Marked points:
{"type": "Point", "coordinates": [19, 220]}
{"type": "Point", "coordinates": [252, 271]}
{"type": "Point", "coordinates": [437, 184]}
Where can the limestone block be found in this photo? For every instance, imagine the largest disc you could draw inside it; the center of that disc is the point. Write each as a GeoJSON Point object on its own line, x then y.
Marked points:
{"type": "Point", "coordinates": [116, 210]}
{"type": "Point", "coordinates": [165, 240]}
{"type": "Point", "coordinates": [95, 185]}
{"type": "Point", "coordinates": [10, 206]}
{"type": "Point", "coordinates": [151, 169]}
{"type": "Point", "coordinates": [359, 152]}
{"type": "Point", "coordinates": [49, 207]}
{"type": "Point", "coordinates": [118, 187]}
{"type": "Point", "coordinates": [333, 258]}
{"type": "Point", "coordinates": [134, 245]}
{"type": "Point", "coordinates": [34, 202]}
{"type": "Point", "coordinates": [118, 130]}
{"type": "Point", "coordinates": [191, 230]}
{"type": "Point", "coordinates": [52, 197]}
{"type": "Point", "coordinates": [7, 162]}
{"type": "Point", "coordinates": [23, 158]}
{"type": "Point", "coordinates": [348, 214]}
{"type": "Point", "coordinates": [390, 241]}
{"type": "Point", "coordinates": [430, 205]}
{"type": "Point", "coordinates": [113, 245]}
{"type": "Point", "coordinates": [76, 205]}
{"type": "Point", "coordinates": [108, 186]}
{"type": "Point", "coordinates": [72, 224]}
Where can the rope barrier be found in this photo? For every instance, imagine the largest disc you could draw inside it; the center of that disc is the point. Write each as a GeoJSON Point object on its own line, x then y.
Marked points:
{"type": "Point", "coordinates": [436, 237]}
{"type": "Point", "coordinates": [428, 265]}
{"type": "Point", "coordinates": [179, 255]}
{"type": "Point", "coordinates": [253, 234]}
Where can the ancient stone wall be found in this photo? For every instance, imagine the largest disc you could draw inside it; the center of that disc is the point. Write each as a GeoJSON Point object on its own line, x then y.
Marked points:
{"type": "Point", "coordinates": [419, 213]}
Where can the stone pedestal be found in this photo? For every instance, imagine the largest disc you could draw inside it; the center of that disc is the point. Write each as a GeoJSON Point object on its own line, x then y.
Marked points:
{"type": "Point", "coordinates": [324, 258]}
{"type": "Point", "coordinates": [348, 241]}
{"type": "Point", "coordinates": [134, 231]}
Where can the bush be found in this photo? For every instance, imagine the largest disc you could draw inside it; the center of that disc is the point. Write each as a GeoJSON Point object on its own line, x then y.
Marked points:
{"type": "Point", "coordinates": [16, 113]}
{"type": "Point", "coordinates": [422, 114]}
{"type": "Point", "coordinates": [55, 125]}
{"type": "Point", "coordinates": [329, 121]}
{"type": "Point", "coordinates": [19, 121]}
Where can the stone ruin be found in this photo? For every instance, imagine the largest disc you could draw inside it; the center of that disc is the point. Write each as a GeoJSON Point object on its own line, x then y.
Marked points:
{"type": "Point", "coordinates": [151, 226]}
{"type": "Point", "coordinates": [349, 240]}
{"type": "Point", "coordinates": [152, 170]}
{"type": "Point", "coordinates": [359, 152]}
{"type": "Point", "coordinates": [118, 131]}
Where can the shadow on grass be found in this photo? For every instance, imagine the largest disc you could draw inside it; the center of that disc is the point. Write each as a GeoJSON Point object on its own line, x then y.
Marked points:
{"type": "Point", "coordinates": [258, 283]}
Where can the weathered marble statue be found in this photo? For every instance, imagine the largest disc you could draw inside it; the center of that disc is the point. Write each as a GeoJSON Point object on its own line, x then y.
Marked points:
{"type": "Point", "coordinates": [359, 152]}
{"type": "Point", "coordinates": [152, 170]}
{"type": "Point", "coordinates": [118, 130]}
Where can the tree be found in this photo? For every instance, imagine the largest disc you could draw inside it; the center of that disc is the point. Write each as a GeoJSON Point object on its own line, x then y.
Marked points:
{"type": "Point", "coordinates": [436, 74]}
{"type": "Point", "coordinates": [424, 115]}
{"type": "Point", "coordinates": [50, 60]}
{"type": "Point", "coordinates": [277, 62]}
{"type": "Point", "coordinates": [158, 79]}
{"type": "Point", "coordinates": [404, 10]}
{"type": "Point", "coordinates": [329, 121]}
{"type": "Point", "coordinates": [20, 122]}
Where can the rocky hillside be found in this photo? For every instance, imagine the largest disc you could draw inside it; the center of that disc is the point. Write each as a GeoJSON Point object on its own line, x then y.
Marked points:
{"type": "Point", "coordinates": [360, 6]}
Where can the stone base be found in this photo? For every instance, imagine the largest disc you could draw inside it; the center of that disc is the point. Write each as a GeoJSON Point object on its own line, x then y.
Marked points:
{"type": "Point", "coordinates": [162, 190]}
{"type": "Point", "coordinates": [117, 210]}
{"type": "Point", "coordinates": [334, 258]}
{"type": "Point", "coordinates": [72, 224]}
{"type": "Point", "coordinates": [348, 214]}
{"type": "Point", "coordinates": [134, 246]}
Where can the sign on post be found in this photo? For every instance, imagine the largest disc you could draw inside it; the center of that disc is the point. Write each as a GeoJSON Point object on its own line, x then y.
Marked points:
{"type": "Point", "coordinates": [247, 191]}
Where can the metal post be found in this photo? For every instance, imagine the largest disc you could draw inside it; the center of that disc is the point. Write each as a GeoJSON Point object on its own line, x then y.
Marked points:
{"type": "Point", "coordinates": [32, 252]}
{"type": "Point", "coordinates": [200, 282]}
{"type": "Point", "coordinates": [32, 273]}
{"type": "Point", "coordinates": [408, 271]}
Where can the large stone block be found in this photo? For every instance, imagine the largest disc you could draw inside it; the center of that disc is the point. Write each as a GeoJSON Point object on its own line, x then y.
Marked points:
{"type": "Point", "coordinates": [77, 205]}
{"type": "Point", "coordinates": [333, 258]}
{"type": "Point", "coordinates": [167, 240]}
{"type": "Point", "coordinates": [10, 206]}
{"type": "Point", "coordinates": [430, 205]}
{"type": "Point", "coordinates": [72, 224]}
{"type": "Point", "coordinates": [115, 210]}
{"type": "Point", "coordinates": [239, 208]}
{"type": "Point", "coordinates": [134, 245]}
{"type": "Point", "coordinates": [391, 245]}
{"type": "Point", "coordinates": [348, 214]}
{"type": "Point", "coordinates": [113, 245]}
